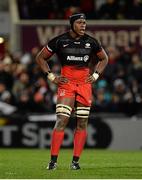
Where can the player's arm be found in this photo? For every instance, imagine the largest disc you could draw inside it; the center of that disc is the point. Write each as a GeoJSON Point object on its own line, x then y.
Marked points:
{"type": "Point", "coordinates": [103, 61]}
{"type": "Point", "coordinates": [42, 59]}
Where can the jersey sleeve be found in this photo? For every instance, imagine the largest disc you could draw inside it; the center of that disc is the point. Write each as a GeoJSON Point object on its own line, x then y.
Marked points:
{"type": "Point", "coordinates": [97, 46]}
{"type": "Point", "coordinates": [52, 45]}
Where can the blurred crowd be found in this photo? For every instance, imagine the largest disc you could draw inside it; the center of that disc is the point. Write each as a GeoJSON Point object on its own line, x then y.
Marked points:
{"type": "Point", "coordinates": [94, 9]}
{"type": "Point", "coordinates": [119, 89]}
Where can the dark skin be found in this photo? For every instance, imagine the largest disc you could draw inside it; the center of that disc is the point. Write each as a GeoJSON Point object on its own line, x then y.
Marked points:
{"type": "Point", "coordinates": [42, 60]}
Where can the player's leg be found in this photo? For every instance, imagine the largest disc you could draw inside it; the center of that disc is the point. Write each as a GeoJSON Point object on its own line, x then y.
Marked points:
{"type": "Point", "coordinates": [82, 113]}
{"type": "Point", "coordinates": [63, 110]}
{"type": "Point", "coordinates": [83, 103]}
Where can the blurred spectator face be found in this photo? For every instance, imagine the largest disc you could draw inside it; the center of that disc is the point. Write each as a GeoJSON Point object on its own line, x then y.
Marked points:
{"type": "Point", "coordinates": [26, 58]}
{"type": "Point", "coordinates": [121, 73]}
{"type": "Point", "coordinates": [13, 67]}
{"type": "Point", "coordinates": [24, 78]}
{"type": "Point", "coordinates": [20, 68]}
{"type": "Point", "coordinates": [102, 83]}
{"type": "Point", "coordinates": [24, 97]}
{"type": "Point", "coordinates": [7, 59]}
{"type": "Point", "coordinates": [7, 68]}
{"type": "Point", "coordinates": [2, 87]}
{"type": "Point", "coordinates": [119, 85]}
{"type": "Point", "coordinates": [130, 49]}
{"type": "Point", "coordinates": [41, 82]}
{"type": "Point", "coordinates": [110, 1]}
{"type": "Point", "coordinates": [100, 95]}
{"type": "Point", "coordinates": [115, 99]}
{"type": "Point", "coordinates": [38, 97]}
{"type": "Point", "coordinates": [113, 54]}
{"type": "Point", "coordinates": [1, 66]}
{"type": "Point", "coordinates": [17, 56]}
{"type": "Point", "coordinates": [135, 58]}
{"type": "Point", "coordinates": [136, 2]}
{"type": "Point", "coordinates": [136, 61]}
{"type": "Point", "coordinates": [6, 97]}
{"type": "Point", "coordinates": [71, 10]}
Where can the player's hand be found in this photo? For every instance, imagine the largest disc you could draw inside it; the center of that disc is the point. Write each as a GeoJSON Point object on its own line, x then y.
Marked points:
{"type": "Point", "coordinates": [60, 80]}
{"type": "Point", "coordinates": [90, 79]}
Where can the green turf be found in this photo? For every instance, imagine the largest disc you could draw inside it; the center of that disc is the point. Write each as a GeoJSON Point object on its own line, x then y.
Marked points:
{"type": "Point", "coordinates": [31, 164]}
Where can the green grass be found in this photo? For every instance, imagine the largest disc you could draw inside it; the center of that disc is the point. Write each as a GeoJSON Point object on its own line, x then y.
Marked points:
{"type": "Point", "coordinates": [31, 164]}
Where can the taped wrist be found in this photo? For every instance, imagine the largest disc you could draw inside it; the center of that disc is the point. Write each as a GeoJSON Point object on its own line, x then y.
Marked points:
{"type": "Point", "coordinates": [50, 76]}
{"type": "Point", "coordinates": [96, 75]}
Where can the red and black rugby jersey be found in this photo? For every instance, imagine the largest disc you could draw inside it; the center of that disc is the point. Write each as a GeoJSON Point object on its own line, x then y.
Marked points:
{"type": "Point", "coordinates": [74, 52]}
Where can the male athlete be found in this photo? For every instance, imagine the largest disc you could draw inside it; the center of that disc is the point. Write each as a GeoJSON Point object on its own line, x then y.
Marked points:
{"type": "Point", "coordinates": [75, 50]}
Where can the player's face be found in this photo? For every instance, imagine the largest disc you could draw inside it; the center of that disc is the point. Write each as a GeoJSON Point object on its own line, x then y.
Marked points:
{"type": "Point", "coordinates": [80, 26]}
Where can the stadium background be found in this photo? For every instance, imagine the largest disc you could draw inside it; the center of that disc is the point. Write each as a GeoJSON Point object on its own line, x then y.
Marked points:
{"type": "Point", "coordinates": [27, 100]}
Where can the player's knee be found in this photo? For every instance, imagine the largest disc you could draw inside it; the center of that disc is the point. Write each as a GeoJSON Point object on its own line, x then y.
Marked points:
{"type": "Point", "coordinates": [61, 123]}
{"type": "Point", "coordinates": [82, 112]}
{"type": "Point", "coordinates": [63, 110]}
{"type": "Point", "coordinates": [82, 124]}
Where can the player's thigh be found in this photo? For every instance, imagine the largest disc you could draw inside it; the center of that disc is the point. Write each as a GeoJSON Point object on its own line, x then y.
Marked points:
{"type": "Point", "coordinates": [65, 104]}
{"type": "Point", "coordinates": [66, 94]}
{"type": "Point", "coordinates": [84, 94]}
{"type": "Point", "coordinates": [65, 99]}
{"type": "Point", "coordinates": [69, 101]}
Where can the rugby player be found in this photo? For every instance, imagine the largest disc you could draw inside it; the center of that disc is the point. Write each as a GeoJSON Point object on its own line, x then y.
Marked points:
{"type": "Point", "coordinates": [75, 50]}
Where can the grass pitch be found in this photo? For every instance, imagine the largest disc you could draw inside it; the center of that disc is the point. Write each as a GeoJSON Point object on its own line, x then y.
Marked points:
{"type": "Point", "coordinates": [31, 164]}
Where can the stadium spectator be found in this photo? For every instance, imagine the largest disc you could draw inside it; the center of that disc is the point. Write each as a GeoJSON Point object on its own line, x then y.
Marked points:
{"type": "Point", "coordinates": [6, 75]}
{"type": "Point", "coordinates": [5, 94]}
{"type": "Point", "coordinates": [120, 58]}
{"type": "Point", "coordinates": [88, 7]}
{"type": "Point", "coordinates": [102, 96]}
{"type": "Point", "coordinates": [133, 10]}
{"type": "Point", "coordinates": [61, 9]}
{"type": "Point", "coordinates": [136, 67]}
{"type": "Point", "coordinates": [20, 84]}
{"type": "Point", "coordinates": [25, 103]}
{"type": "Point", "coordinates": [108, 10]}
{"type": "Point", "coordinates": [125, 62]}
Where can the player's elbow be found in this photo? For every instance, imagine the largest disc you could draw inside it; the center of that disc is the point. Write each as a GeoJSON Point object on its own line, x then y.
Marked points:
{"type": "Point", "coordinates": [106, 59]}
{"type": "Point", "coordinates": [38, 58]}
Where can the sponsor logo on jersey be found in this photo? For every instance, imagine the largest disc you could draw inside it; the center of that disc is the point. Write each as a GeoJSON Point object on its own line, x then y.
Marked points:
{"type": "Point", "coordinates": [78, 58]}
{"type": "Point", "coordinates": [62, 92]}
{"type": "Point", "coordinates": [65, 45]}
{"type": "Point", "coordinates": [86, 58]}
{"type": "Point", "coordinates": [76, 42]}
{"type": "Point", "coordinates": [87, 45]}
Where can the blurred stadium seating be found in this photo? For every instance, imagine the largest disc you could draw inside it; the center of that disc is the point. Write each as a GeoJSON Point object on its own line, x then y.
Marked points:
{"type": "Point", "coordinates": [24, 86]}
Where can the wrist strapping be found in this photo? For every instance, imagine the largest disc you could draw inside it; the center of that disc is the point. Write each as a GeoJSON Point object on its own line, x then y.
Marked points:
{"type": "Point", "coordinates": [95, 75]}
{"type": "Point", "coordinates": [51, 76]}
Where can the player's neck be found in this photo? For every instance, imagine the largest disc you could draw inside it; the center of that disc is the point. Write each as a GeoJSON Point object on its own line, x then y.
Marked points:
{"type": "Point", "coordinates": [74, 35]}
